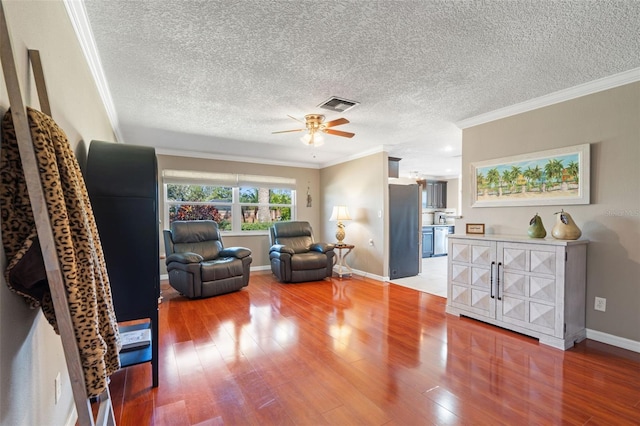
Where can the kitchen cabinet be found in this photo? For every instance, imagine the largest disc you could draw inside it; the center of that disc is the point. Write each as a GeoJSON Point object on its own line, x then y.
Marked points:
{"type": "Point", "coordinates": [394, 167]}
{"type": "Point", "coordinates": [434, 194]}
{"type": "Point", "coordinates": [536, 287]}
{"type": "Point", "coordinates": [434, 239]}
{"type": "Point", "coordinates": [427, 241]}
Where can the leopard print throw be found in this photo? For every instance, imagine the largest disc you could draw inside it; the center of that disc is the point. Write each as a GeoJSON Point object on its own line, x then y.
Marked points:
{"type": "Point", "coordinates": [76, 242]}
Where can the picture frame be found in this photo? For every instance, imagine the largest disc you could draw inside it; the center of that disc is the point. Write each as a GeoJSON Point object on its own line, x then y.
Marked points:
{"type": "Point", "coordinates": [553, 177]}
{"type": "Point", "coordinates": [475, 228]}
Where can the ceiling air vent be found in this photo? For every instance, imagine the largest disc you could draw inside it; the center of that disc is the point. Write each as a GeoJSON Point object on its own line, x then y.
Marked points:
{"type": "Point", "coordinates": [338, 104]}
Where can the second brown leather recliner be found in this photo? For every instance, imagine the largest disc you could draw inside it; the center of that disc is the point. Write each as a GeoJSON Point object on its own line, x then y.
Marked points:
{"type": "Point", "coordinates": [295, 256]}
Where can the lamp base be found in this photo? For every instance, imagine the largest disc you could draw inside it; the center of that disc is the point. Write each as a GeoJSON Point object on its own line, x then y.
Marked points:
{"type": "Point", "coordinates": [340, 233]}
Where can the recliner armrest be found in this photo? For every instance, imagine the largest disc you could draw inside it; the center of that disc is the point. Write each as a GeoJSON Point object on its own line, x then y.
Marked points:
{"type": "Point", "coordinates": [280, 248]}
{"type": "Point", "coordinates": [237, 252]}
{"type": "Point", "coordinates": [322, 247]}
{"type": "Point", "coordinates": [186, 258]}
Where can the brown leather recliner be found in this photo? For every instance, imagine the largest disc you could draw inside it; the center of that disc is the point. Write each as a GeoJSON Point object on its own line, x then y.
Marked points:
{"type": "Point", "coordinates": [199, 265]}
{"type": "Point", "coordinates": [295, 256]}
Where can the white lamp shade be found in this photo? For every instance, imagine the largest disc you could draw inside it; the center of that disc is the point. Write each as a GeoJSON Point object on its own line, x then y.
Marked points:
{"type": "Point", "coordinates": [340, 213]}
{"type": "Point", "coordinates": [312, 139]}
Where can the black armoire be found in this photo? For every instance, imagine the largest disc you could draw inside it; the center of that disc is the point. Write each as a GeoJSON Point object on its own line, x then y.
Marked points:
{"type": "Point", "coordinates": [122, 181]}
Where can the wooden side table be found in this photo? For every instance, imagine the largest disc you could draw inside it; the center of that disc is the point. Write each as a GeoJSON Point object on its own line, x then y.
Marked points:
{"type": "Point", "coordinates": [340, 260]}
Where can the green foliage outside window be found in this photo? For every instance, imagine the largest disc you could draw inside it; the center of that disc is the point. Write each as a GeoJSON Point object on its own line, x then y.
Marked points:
{"type": "Point", "coordinates": [201, 212]}
{"type": "Point", "coordinates": [199, 193]}
{"type": "Point", "coordinates": [260, 207]}
{"type": "Point", "coordinates": [263, 206]}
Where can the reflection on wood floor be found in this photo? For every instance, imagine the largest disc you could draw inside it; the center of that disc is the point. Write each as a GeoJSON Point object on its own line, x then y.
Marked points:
{"type": "Point", "coordinates": [362, 352]}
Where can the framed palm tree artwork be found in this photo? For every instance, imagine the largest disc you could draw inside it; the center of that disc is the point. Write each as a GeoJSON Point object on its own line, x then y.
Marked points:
{"type": "Point", "coordinates": [554, 177]}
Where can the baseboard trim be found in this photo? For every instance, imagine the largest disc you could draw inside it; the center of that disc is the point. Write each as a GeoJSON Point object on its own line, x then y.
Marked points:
{"type": "Point", "coordinates": [72, 418]}
{"type": "Point", "coordinates": [261, 268]}
{"type": "Point", "coordinates": [612, 340]}
{"type": "Point", "coordinates": [364, 274]}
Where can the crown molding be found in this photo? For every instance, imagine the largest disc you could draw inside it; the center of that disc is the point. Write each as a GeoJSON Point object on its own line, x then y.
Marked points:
{"type": "Point", "coordinates": [222, 157]}
{"type": "Point", "coordinates": [78, 16]}
{"type": "Point", "coordinates": [372, 151]}
{"type": "Point", "coordinates": [591, 87]}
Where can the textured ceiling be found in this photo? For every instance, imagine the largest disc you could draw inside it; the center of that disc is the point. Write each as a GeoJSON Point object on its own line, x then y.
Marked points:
{"type": "Point", "coordinates": [217, 77]}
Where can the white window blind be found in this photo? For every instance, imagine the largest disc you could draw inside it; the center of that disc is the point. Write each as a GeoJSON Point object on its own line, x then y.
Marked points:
{"type": "Point", "coordinates": [226, 179]}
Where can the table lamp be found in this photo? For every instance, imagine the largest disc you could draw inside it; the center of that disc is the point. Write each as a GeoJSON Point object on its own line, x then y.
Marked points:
{"type": "Point", "coordinates": [339, 214]}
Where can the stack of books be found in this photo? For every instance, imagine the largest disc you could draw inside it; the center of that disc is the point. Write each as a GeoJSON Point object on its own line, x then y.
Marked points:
{"type": "Point", "coordinates": [136, 339]}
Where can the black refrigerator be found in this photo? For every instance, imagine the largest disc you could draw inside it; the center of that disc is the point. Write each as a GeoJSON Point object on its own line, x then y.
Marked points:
{"type": "Point", "coordinates": [404, 230]}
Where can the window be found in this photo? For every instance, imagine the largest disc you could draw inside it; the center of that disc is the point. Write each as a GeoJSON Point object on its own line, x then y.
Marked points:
{"type": "Point", "coordinates": [200, 202]}
{"type": "Point", "coordinates": [263, 206]}
{"type": "Point", "coordinates": [238, 203]}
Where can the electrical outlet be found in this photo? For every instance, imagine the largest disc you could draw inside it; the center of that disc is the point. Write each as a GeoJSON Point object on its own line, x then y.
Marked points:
{"type": "Point", "coordinates": [58, 385]}
{"type": "Point", "coordinates": [600, 304]}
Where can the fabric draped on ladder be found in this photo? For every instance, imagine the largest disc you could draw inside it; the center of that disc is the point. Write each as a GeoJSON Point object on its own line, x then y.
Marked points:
{"type": "Point", "coordinates": [77, 245]}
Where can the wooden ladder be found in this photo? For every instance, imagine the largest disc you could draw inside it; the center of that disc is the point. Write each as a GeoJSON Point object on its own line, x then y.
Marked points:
{"type": "Point", "coordinates": [43, 225]}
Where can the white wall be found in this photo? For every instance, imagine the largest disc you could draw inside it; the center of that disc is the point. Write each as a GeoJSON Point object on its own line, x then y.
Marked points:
{"type": "Point", "coordinates": [453, 194]}
{"type": "Point", "coordinates": [30, 352]}
{"type": "Point", "coordinates": [361, 185]}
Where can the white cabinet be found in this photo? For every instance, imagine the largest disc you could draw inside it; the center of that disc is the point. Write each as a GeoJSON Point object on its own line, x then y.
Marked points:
{"type": "Point", "coordinates": [533, 286]}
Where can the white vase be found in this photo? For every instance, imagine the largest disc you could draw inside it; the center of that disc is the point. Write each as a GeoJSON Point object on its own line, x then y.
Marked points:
{"type": "Point", "coordinates": [565, 228]}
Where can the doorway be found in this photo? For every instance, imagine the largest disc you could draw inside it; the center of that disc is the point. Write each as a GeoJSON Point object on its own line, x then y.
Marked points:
{"type": "Point", "coordinates": [432, 279]}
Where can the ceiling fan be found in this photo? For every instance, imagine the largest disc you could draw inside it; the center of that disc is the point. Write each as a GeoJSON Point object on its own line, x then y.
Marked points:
{"type": "Point", "coordinates": [315, 125]}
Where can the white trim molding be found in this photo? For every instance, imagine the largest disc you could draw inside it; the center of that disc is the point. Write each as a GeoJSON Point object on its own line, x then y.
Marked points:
{"type": "Point", "coordinates": [362, 154]}
{"type": "Point", "coordinates": [595, 86]}
{"type": "Point", "coordinates": [260, 268]}
{"type": "Point", "coordinates": [78, 17]}
{"type": "Point", "coordinates": [610, 339]}
{"type": "Point", "coordinates": [241, 159]}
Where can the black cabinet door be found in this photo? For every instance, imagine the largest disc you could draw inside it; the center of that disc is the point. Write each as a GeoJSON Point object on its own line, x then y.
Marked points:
{"type": "Point", "coordinates": [434, 194]}
{"type": "Point", "coordinates": [441, 194]}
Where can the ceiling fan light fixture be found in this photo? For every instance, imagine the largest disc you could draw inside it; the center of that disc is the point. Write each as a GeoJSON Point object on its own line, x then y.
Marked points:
{"type": "Point", "coordinates": [315, 127]}
{"type": "Point", "coordinates": [312, 139]}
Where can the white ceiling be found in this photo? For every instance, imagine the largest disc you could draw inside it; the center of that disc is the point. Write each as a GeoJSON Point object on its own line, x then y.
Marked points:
{"type": "Point", "coordinates": [215, 78]}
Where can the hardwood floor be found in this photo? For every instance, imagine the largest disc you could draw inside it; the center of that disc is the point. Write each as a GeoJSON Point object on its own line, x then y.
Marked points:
{"type": "Point", "coordinates": [360, 352]}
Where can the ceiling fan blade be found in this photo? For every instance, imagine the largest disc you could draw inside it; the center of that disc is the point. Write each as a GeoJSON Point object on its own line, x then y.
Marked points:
{"type": "Point", "coordinates": [288, 131]}
{"type": "Point", "coordinates": [339, 133]}
{"type": "Point", "coordinates": [297, 119]}
{"type": "Point", "coordinates": [336, 122]}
